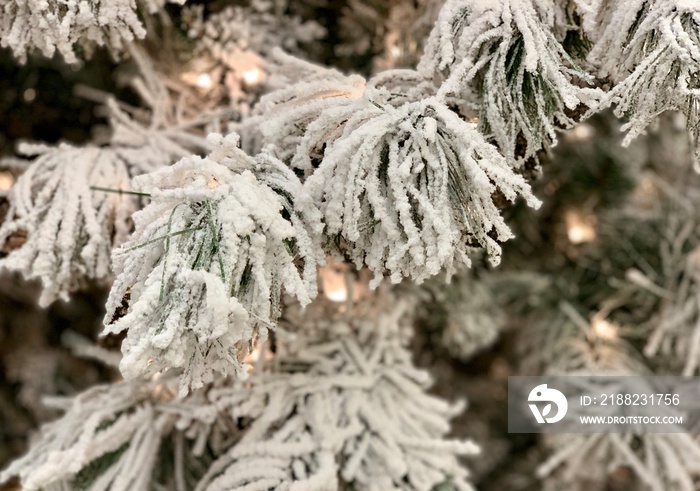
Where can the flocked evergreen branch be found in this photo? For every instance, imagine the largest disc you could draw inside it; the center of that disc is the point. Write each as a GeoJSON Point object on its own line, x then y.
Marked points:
{"type": "Point", "coordinates": [61, 26]}
{"type": "Point", "coordinates": [116, 437]}
{"type": "Point", "coordinates": [70, 227]}
{"type": "Point", "coordinates": [675, 329]}
{"type": "Point", "coordinates": [651, 49]}
{"type": "Point", "coordinates": [503, 59]}
{"type": "Point", "coordinates": [466, 315]}
{"type": "Point", "coordinates": [405, 186]}
{"type": "Point", "coordinates": [399, 86]}
{"type": "Point", "coordinates": [208, 260]}
{"type": "Point", "coordinates": [232, 47]}
{"type": "Point", "coordinates": [257, 28]}
{"type": "Point", "coordinates": [341, 404]}
{"type": "Point", "coordinates": [345, 406]}
{"type": "Point", "coordinates": [108, 439]}
{"type": "Point", "coordinates": [668, 293]}
{"type": "Point", "coordinates": [307, 112]}
{"type": "Point", "coordinates": [311, 104]}
{"type": "Point", "coordinates": [660, 462]}
{"type": "Point", "coordinates": [410, 189]}
{"type": "Point", "coordinates": [73, 204]}
{"type": "Point", "coordinates": [595, 346]}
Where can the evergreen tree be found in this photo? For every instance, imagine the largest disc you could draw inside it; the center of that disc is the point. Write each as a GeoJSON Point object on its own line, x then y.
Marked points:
{"type": "Point", "coordinates": [307, 213]}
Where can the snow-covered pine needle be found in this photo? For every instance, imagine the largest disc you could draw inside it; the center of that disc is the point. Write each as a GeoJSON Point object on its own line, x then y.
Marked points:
{"type": "Point", "coordinates": [70, 227]}
{"type": "Point", "coordinates": [299, 120]}
{"type": "Point", "coordinates": [590, 13]}
{"type": "Point", "coordinates": [257, 28]}
{"type": "Point", "coordinates": [671, 292]}
{"type": "Point", "coordinates": [74, 203]}
{"type": "Point", "coordinates": [56, 25]}
{"type": "Point", "coordinates": [343, 406]}
{"type": "Point", "coordinates": [73, 26]}
{"type": "Point", "coordinates": [661, 462]}
{"type": "Point", "coordinates": [70, 203]}
{"type": "Point", "coordinates": [502, 58]}
{"type": "Point", "coordinates": [121, 437]}
{"type": "Point", "coordinates": [108, 439]}
{"type": "Point", "coordinates": [652, 49]}
{"type": "Point", "coordinates": [210, 256]}
{"type": "Point", "coordinates": [399, 86]}
{"type": "Point", "coordinates": [406, 185]}
{"type": "Point", "coordinates": [409, 190]}
{"type": "Point", "coordinates": [469, 315]}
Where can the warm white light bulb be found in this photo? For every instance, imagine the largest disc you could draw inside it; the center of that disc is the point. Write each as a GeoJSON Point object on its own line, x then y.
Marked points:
{"type": "Point", "coordinates": [333, 283]}
{"type": "Point", "coordinates": [6, 181]}
{"type": "Point", "coordinates": [604, 329]}
{"type": "Point", "coordinates": [253, 356]}
{"type": "Point", "coordinates": [252, 76]}
{"type": "Point", "coordinates": [204, 81]}
{"type": "Point", "coordinates": [579, 228]}
{"type": "Point", "coordinates": [337, 295]}
{"type": "Point", "coordinates": [29, 95]}
{"type": "Point", "coordinates": [581, 132]}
